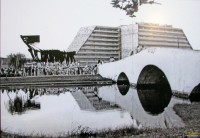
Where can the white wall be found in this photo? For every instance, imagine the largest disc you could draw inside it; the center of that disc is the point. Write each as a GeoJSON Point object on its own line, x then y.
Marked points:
{"type": "Point", "coordinates": [129, 39]}
{"type": "Point", "coordinates": [180, 66]}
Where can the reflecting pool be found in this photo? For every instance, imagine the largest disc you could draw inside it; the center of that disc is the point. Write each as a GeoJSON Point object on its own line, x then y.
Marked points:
{"type": "Point", "coordinates": [58, 111]}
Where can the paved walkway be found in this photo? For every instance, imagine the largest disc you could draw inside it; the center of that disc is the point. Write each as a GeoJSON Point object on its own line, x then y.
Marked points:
{"type": "Point", "coordinates": [54, 80]}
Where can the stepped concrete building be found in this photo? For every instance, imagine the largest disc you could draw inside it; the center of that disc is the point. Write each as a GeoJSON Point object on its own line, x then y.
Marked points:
{"type": "Point", "coordinates": [102, 43]}
{"type": "Point", "coordinates": [138, 36]}
{"type": "Point", "coordinates": [96, 43]}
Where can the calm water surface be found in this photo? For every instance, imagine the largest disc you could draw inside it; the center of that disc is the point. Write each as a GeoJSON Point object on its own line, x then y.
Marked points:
{"type": "Point", "coordinates": [57, 111]}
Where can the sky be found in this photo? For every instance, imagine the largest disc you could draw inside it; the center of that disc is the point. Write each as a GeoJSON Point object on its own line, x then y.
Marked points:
{"type": "Point", "coordinates": [58, 21]}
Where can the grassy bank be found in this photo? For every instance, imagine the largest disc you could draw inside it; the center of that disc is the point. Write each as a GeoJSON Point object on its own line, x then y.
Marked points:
{"type": "Point", "coordinates": [190, 114]}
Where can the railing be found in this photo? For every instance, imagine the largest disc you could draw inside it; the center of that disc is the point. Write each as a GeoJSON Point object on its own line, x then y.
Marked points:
{"type": "Point", "coordinates": [95, 57]}
{"type": "Point", "coordinates": [161, 35]}
{"type": "Point", "coordinates": [161, 32]}
{"type": "Point", "coordinates": [174, 40]}
{"type": "Point", "coordinates": [101, 44]}
{"type": "Point", "coordinates": [97, 52]}
{"type": "Point", "coordinates": [109, 36]}
{"type": "Point", "coordinates": [163, 44]}
{"type": "Point", "coordinates": [100, 48]}
{"type": "Point", "coordinates": [103, 40]}
{"type": "Point", "coordinates": [106, 31]}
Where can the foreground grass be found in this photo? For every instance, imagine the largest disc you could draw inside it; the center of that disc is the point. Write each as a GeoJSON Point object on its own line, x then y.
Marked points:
{"type": "Point", "coordinates": [190, 114]}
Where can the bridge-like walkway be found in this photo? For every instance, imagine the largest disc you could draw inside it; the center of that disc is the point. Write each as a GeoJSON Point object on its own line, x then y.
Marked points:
{"type": "Point", "coordinates": [180, 68]}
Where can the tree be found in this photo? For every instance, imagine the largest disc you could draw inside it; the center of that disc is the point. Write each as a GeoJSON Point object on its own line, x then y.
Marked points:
{"type": "Point", "coordinates": [131, 6]}
{"type": "Point", "coordinates": [17, 60]}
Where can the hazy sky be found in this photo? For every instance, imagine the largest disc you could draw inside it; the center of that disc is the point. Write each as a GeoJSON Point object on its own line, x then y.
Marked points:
{"type": "Point", "coordinates": [58, 21]}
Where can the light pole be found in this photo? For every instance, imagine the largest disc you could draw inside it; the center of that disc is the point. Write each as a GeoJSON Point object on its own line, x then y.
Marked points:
{"type": "Point", "coordinates": [178, 41]}
{"type": "Point", "coordinates": [132, 37]}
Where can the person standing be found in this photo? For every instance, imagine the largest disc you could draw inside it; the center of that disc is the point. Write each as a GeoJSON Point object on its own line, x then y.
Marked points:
{"type": "Point", "coordinates": [44, 71]}
{"type": "Point", "coordinates": [32, 70]}
{"type": "Point", "coordinates": [98, 64]}
{"type": "Point", "coordinates": [36, 71]}
{"type": "Point", "coordinates": [24, 71]}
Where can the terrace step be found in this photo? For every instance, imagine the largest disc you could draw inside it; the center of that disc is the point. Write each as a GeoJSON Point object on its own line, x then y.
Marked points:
{"type": "Point", "coordinates": [55, 80]}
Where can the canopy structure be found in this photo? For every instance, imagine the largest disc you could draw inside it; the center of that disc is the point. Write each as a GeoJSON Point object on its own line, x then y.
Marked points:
{"type": "Point", "coordinates": [46, 55]}
{"type": "Point", "coordinates": [30, 39]}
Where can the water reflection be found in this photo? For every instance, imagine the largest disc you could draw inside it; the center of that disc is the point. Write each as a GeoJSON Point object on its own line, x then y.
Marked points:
{"type": "Point", "coordinates": [123, 88]}
{"type": "Point", "coordinates": [155, 99]}
{"type": "Point", "coordinates": [88, 99]}
{"type": "Point", "coordinates": [62, 110]}
{"type": "Point", "coordinates": [16, 105]}
{"type": "Point", "coordinates": [136, 103]}
{"type": "Point", "coordinates": [21, 101]}
{"type": "Point", "coordinates": [123, 83]}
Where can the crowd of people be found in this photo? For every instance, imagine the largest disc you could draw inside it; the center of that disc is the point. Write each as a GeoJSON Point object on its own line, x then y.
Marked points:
{"type": "Point", "coordinates": [56, 68]}
{"type": "Point", "coordinates": [9, 72]}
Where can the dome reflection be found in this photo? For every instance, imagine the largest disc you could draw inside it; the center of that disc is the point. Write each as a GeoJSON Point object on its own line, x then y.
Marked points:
{"type": "Point", "coordinates": [123, 88]}
{"type": "Point", "coordinates": [154, 99]}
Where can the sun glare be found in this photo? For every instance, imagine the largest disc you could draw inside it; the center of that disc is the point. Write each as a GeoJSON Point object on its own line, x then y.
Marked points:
{"type": "Point", "coordinates": [158, 17]}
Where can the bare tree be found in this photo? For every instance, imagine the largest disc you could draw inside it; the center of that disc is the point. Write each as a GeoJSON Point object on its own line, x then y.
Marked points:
{"type": "Point", "coordinates": [131, 6]}
{"type": "Point", "coordinates": [17, 60]}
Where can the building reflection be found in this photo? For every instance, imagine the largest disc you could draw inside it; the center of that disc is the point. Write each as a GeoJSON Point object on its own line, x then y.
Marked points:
{"type": "Point", "coordinates": [88, 99]}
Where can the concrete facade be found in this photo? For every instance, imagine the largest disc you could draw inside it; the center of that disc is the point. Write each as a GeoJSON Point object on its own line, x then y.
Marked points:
{"type": "Point", "coordinates": [154, 35]}
{"type": "Point", "coordinates": [129, 39]}
{"type": "Point", "coordinates": [136, 37]}
{"type": "Point", "coordinates": [100, 42]}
